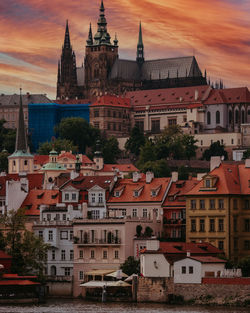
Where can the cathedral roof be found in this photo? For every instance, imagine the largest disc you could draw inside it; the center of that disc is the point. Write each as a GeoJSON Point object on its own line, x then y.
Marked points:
{"type": "Point", "coordinates": [155, 69]}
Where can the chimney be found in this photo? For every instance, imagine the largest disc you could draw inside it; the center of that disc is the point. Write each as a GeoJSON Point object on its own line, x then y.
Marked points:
{"type": "Point", "coordinates": [196, 95]}
{"type": "Point", "coordinates": [149, 177]}
{"type": "Point", "coordinates": [247, 163]}
{"type": "Point", "coordinates": [136, 177]}
{"type": "Point", "coordinates": [215, 161]}
{"type": "Point", "coordinates": [174, 177]}
{"type": "Point", "coordinates": [188, 254]}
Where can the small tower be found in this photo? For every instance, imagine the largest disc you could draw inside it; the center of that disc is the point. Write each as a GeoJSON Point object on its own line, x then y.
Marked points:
{"type": "Point", "coordinates": [21, 161]}
{"type": "Point", "coordinates": [98, 158]}
{"type": "Point", "coordinates": [140, 48]}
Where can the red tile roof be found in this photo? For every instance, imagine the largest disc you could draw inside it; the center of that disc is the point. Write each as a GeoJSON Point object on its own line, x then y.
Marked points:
{"type": "Point", "coordinates": [207, 259]}
{"type": "Point", "coordinates": [67, 155]}
{"type": "Point", "coordinates": [145, 195]}
{"type": "Point", "coordinates": [86, 160]}
{"type": "Point", "coordinates": [120, 167]}
{"type": "Point", "coordinates": [167, 96]}
{"type": "Point", "coordinates": [179, 189]}
{"type": "Point", "coordinates": [115, 101]}
{"type": "Point", "coordinates": [228, 181]}
{"type": "Point", "coordinates": [37, 197]}
{"type": "Point", "coordinates": [41, 159]}
{"type": "Point", "coordinates": [229, 95]}
{"type": "Point", "coordinates": [17, 282]}
{"type": "Point", "coordinates": [184, 247]}
{"type": "Point", "coordinates": [87, 182]}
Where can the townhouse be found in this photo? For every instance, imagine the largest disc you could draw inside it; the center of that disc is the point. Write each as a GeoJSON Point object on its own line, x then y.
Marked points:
{"type": "Point", "coordinates": [218, 209]}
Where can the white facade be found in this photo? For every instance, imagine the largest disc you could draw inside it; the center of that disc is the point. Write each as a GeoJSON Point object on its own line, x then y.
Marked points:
{"type": "Point", "coordinates": [154, 265]}
{"type": "Point", "coordinates": [190, 271]}
{"type": "Point", "coordinates": [16, 192]}
{"type": "Point", "coordinates": [97, 202]}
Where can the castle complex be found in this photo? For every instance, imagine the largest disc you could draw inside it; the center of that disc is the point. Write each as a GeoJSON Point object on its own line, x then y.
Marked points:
{"type": "Point", "coordinates": [104, 72]}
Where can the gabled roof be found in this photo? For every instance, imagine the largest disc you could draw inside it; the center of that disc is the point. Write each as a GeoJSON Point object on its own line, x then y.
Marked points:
{"type": "Point", "coordinates": [120, 167]}
{"type": "Point", "coordinates": [228, 181]}
{"type": "Point", "coordinates": [184, 247]}
{"type": "Point", "coordinates": [229, 95]}
{"type": "Point", "coordinates": [67, 155]}
{"type": "Point", "coordinates": [145, 195]}
{"type": "Point", "coordinates": [37, 197]}
{"type": "Point", "coordinates": [13, 100]}
{"type": "Point", "coordinates": [84, 183]}
{"type": "Point", "coordinates": [179, 189]}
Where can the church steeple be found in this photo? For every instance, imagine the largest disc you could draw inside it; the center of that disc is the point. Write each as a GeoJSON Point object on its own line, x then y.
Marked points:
{"type": "Point", "coordinates": [102, 36]}
{"type": "Point", "coordinates": [140, 48]}
{"type": "Point", "coordinates": [66, 37]}
{"type": "Point", "coordinates": [21, 141]}
{"type": "Point", "coordinates": [90, 37]}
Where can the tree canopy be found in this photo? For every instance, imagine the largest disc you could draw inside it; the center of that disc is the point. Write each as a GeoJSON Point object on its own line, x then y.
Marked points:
{"type": "Point", "coordinates": [131, 266]}
{"type": "Point", "coordinates": [78, 131]}
{"type": "Point", "coordinates": [135, 141]}
{"type": "Point", "coordinates": [215, 149]}
{"type": "Point", "coordinates": [110, 150]}
{"type": "Point", "coordinates": [29, 252]}
{"type": "Point", "coordinates": [246, 154]}
{"type": "Point", "coordinates": [58, 145]}
{"type": "Point", "coordinates": [7, 138]}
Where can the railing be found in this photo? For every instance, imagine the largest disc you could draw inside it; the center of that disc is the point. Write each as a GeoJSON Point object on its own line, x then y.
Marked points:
{"type": "Point", "coordinates": [113, 241]}
{"type": "Point", "coordinates": [176, 222]}
{"type": "Point", "coordinates": [58, 278]}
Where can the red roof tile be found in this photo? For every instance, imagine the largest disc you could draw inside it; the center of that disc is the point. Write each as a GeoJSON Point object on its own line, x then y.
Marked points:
{"type": "Point", "coordinates": [207, 259]}
{"type": "Point", "coordinates": [41, 159]}
{"type": "Point", "coordinates": [67, 155]}
{"type": "Point", "coordinates": [229, 95]}
{"type": "Point", "coordinates": [120, 167]}
{"type": "Point", "coordinates": [87, 182]}
{"type": "Point", "coordinates": [184, 247]}
{"type": "Point", "coordinates": [109, 100]}
{"type": "Point", "coordinates": [37, 197]}
{"type": "Point", "coordinates": [145, 195]}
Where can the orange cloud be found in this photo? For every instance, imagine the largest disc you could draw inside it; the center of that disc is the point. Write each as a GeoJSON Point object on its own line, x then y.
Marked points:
{"type": "Point", "coordinates": [217, 32]}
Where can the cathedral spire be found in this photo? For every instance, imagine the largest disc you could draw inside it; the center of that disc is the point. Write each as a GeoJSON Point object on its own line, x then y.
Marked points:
{"type": "Point", "coordinates": [102, 36]}
{"type": "Point", "coordinates": [90, 37]}
{"type": "Point", "coordinates": [66, 38]}
{"type": "Point", "coordinates": [21, 141]}
{"type": "Point", "coordinates": [140, 48]}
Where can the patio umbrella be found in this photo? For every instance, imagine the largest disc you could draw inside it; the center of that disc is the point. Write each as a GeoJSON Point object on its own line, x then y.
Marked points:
{"type": "Point", "coordinates": [121, 283]}
{"type": "Point", "coordinates": [130, 278]}
{"type": "Point", "coordinates": [117, 274]}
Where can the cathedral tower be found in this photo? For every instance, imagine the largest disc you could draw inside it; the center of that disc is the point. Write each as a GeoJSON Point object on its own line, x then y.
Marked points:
{"type": "Point", "coordinates": [67, 77]}
{"type": "Point", "coordinates": [100, 56]}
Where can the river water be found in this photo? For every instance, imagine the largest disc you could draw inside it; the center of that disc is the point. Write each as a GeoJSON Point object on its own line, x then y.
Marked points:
{"type": "Point", "coordinates": [80, 306]}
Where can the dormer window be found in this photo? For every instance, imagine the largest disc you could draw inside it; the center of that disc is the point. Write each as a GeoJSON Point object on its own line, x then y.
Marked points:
{"type": "Point", "coordinates": [207, 183]}
{"type": "Point", "coordinates": [136, 193]}
{"type": "Point", "coordinates": [66, 197]}
{"type": "Point", "coordinates": [153, 193]}
{"type": "Point", "coordinates": [73, 196]}
{"type": "Point", "coordinates": [117, 194]}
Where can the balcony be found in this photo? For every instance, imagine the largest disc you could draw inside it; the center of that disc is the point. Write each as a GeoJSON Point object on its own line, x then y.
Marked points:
{"type": "Point", "coordinates": [99, 242]}
{"type": "Point", "coordinates": [175, 222]}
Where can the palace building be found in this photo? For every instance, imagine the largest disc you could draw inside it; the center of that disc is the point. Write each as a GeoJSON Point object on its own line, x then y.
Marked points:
{"type": "Point", "coordinates": [104, 72]}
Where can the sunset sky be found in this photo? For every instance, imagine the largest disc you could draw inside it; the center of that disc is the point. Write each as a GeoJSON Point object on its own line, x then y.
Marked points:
{"type": "Point", "coordinates": [217, 32]}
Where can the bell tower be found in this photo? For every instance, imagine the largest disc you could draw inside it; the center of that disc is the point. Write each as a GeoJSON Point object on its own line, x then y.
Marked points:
{"type": "Point", "coordinates": [100, 55]}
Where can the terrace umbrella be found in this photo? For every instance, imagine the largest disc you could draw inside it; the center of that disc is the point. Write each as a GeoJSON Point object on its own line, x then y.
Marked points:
{"type": "Point", "coordinates": [117, 274]}
{"type": "Point", "coordinates": [130, 278]}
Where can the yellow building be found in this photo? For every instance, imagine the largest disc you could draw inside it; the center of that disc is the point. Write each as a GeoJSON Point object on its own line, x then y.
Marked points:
{"type": "Point", "coordinates": [218, 210]}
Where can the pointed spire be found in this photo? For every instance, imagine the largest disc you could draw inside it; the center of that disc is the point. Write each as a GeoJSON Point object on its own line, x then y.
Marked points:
{"type": "Point", "coordinates": [66, 38]}
{"type": "Point", "coordinates": [21, 141]}
{"type": "Point", "coordinates": [90, 37]}
{"type": "Point", "coordinates": [140, 47]}
{"type": "Point", "coordinates": [115, 40]}
{"type": "Point", "coordinates": [102, 9]}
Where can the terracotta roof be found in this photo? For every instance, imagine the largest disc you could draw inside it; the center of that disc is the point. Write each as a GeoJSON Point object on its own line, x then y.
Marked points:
{"type": "Point", "coordinates": [87, 182]}
{"type": "Point", "coordinates": [229, 95]}
{"type": "Point", "coordinates": [167, 96]}
{"type": "Point", "coordinates": [17, 282]}
{"type": "Point", "coordinates": [145, 194]}
{"type": "Point", "coordinates": [86, 160]}
{"type": "Point", "coordinates": [4, 255]}
{"type": "Point", "coordinates": [228, 181]}
{"type": "Point", "coordinates": [179, 189]}
{"type": "Point", "coordinates": [120, 167]}
{"type": "Point", "coordinates": [244, 174]}
{"type": "Point", "coordinates": [41, 159]}
{"type": "Point", "coordinates": [37, 197]}
{"type": "Point", "coordinates": [207, 259]}
{"type": "Point", "coordinates": [67, 155]}
{"type": "Point", "coordinates": [109, 100]}
{"type": "Point", "coordinates": [183, 247]}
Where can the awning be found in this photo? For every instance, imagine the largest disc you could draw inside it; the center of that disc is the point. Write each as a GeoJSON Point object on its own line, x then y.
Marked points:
{"type": "Point", "coordinates": [100, 284]}
{"type": "Point", "coordinates": [99, 272]}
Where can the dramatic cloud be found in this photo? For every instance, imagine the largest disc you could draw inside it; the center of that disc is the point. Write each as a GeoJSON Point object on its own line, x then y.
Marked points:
{"type": "Point", "coordinates": [32, 32]}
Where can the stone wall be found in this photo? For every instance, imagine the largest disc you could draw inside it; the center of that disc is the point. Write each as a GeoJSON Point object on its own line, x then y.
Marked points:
{"type": "Point", "coordinates": [163, 290]}
{"type": "Point", "coordinates": [59, 289]}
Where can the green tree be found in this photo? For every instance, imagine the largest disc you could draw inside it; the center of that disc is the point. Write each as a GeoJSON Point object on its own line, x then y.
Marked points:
{"type": "Point", "coordinates": [131, 266]}
{"type": "Point", "coordinates": [148, 231]}
{"type": "Point", "coordinates": [244, 264]}
{"type": "Point", "coordinates": [58, 145]}
{"type": "Point", "coordinates": [138, 230]}
{"type": "Point", "coordinates": [246, 154]}
{"type": "Point", "coordinates": [4, 161]}
{"type": "Point", "coordinates": [159, 168]}
{"type": "Point", "coordinates": [147, 153]}
{"type": "Point", "coordinates": [27, 250]}
{"type": "Point", "coordinates": [183, 173]}
{"type": "Point", "coordinates": [79, 131]}
{"type": "Point", "coordinates": [7, 138]}
{"type": "Point", "coordinates": [135, 141]}
{"type": "Point", "coordinates": [110, 150]}
{"type": "Point", "coordinates": [189, 145]}
{"type": "Point", "coordinates": [215, 149]}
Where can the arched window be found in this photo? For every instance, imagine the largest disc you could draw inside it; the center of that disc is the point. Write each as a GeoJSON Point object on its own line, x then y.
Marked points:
{"type": "Point", "coordinates": [217, 117]}
{"type": "Point", "coordinates": [230, 117]}
{"type": "Point", "coordinates": [236, 116]}
{"type": "Point", "coordinates": [242, 116]}
{"type": "Point", "coordinates": [208, 118]}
